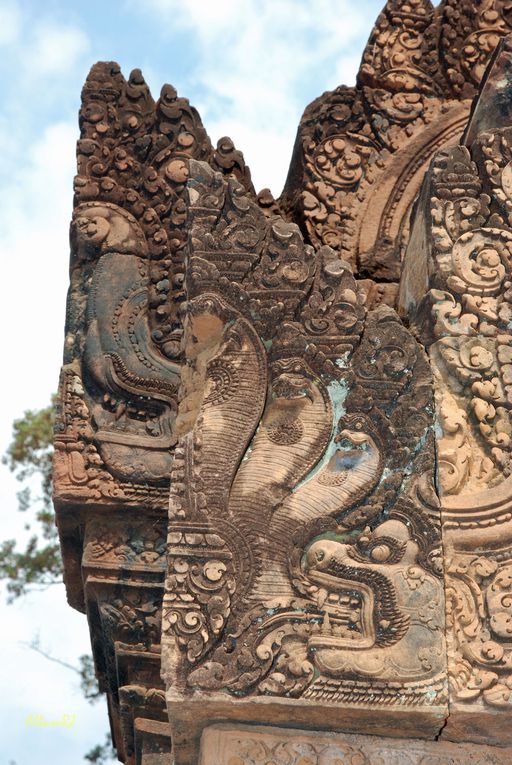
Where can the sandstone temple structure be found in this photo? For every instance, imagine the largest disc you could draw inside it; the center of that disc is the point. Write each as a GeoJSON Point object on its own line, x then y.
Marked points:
{"type": "Point", "coordinates": [283, 450]}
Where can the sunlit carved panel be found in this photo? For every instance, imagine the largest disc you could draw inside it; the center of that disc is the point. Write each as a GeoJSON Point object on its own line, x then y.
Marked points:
{"type": "Point", "coordinates": [460, 258]}
{"type": "Point", "coordinates": [304, 545]}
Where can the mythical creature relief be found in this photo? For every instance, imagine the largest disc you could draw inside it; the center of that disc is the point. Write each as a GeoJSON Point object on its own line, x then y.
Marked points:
{"type": "Point", "coordinates": [361, 153]}
{"type": "Point", "coordinates": [461, 252]}
{"type": "Point", "coordinates": [118, 398]}
{"type": "Point", "coordinates": [122, 364]}
{"type": "Point", "coordinates": [304, 543]}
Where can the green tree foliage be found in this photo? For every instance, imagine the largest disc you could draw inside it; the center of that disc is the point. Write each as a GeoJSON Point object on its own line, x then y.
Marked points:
{"type": "Point", "coordinates": [39, 565]}
{"type": "Point", "coordinates": [84, 670]}
{"type": "Point", "coordinates": [88, 682]}
{"type": "Point", "coordinates": [29, 457]}
{"type": "Point", "coordinates": [101, 753]}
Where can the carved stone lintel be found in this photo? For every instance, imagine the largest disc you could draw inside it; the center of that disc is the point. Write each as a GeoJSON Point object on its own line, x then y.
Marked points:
{"type": "Point", "coordinates": [250, 745]}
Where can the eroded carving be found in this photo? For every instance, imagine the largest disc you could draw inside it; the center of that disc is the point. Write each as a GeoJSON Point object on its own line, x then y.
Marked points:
{"type": "Point", "coordinates": [127, 236]}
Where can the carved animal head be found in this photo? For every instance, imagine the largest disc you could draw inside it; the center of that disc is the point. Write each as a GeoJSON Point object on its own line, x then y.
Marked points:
{"type": "Point", "coordinates": [100, 227]}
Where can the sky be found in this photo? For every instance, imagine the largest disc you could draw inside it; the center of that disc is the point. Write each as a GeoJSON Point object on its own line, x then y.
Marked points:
{"type": "Point", "coordinates": [250, 67]}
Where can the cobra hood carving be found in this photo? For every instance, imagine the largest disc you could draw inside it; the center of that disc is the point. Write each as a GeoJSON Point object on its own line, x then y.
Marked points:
{"type": "Point", "coordinates": [305, 438]}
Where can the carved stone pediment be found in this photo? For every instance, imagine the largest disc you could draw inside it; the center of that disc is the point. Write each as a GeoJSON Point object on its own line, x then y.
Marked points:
{"type": "Point", "coordinates": [304, 538]}
{"type": "Point", "coordinates": [279, 500]}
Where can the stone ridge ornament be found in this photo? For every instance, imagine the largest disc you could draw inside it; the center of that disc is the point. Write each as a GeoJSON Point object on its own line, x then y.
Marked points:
{"type": "Point", "coordinates": [279, 500]}
{"type": "Point", "coordinates": [118, 396]}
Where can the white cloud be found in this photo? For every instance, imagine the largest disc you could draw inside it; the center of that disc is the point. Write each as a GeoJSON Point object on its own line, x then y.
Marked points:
{"type": "Point", "coordinates": [10, 22]}
{"type": "Point", "coordinates": [34, 216]}
{"type": "Point", "coordinates": [337, 21]}
{"type": "Point", "coordinates": [35, 200]}
{"type": "Point", "coordinates": [256, 58]}
{"type": "Point", "coordinates": [40, 58]}
{"type": "Point", "coordinates": [54, 49]}
{"type": "Point", "coordinates": [37, 47]}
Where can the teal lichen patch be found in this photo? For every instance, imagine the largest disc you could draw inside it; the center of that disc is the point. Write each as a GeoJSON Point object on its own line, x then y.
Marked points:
{"type": "Point", "coordinates": [338, 391]}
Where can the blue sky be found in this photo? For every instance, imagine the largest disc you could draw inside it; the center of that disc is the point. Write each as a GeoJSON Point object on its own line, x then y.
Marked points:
{"type": "Point", "coordinates": [250, 67]}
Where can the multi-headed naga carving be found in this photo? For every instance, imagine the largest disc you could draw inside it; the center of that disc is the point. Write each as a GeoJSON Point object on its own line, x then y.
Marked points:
{"type": "Point", "coordinates": [304, 551]}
